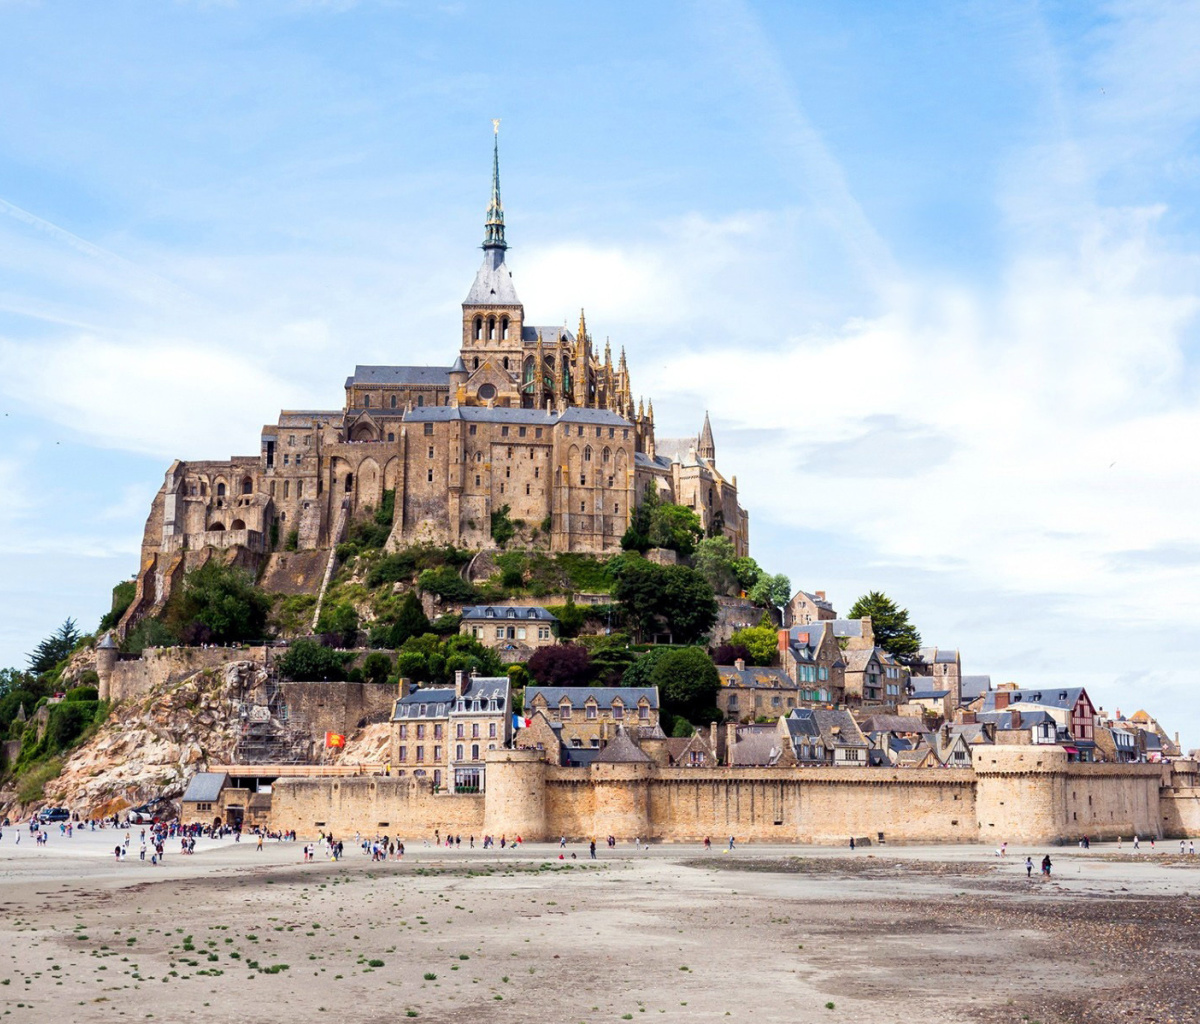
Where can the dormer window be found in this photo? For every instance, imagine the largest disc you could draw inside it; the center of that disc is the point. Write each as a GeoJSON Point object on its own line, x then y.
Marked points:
{"type": "Point", "coordinates": [618, 709]}
{"type": "Point", "coordinates": [462, 706]}
{"type": "Point", "coordinates": [564, 711]}
{"type": "Point", "coordinates": [590, 712]}
{"type": "Point", "coordinates": [474, 705]}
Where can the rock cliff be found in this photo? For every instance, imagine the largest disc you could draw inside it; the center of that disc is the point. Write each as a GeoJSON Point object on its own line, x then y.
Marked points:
{"type": "Point", "coordinates": [152, 746]}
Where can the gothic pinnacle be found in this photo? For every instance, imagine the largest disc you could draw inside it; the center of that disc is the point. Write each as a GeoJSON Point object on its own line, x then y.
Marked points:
{"type": "Point", "coordinates": [493, 232]}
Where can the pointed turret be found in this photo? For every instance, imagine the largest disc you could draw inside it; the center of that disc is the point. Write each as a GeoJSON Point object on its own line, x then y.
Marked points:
{"type": "Point", "coordinates": [493, 231]}
{"type": "Point", "coordinates": [705, 447]}
{"type": "Point", "coordinates": [582, 363]}
{"type": "Point", "coordinates": [493, 284]}
{"type": "Point", "coordinates": [539, 370]}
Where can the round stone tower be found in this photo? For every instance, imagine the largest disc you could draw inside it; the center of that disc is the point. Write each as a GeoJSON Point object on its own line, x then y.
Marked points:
{"type": "Point", "coordinates": [106, 658]}
{"type": "Point", "coordinates": [515, 794]}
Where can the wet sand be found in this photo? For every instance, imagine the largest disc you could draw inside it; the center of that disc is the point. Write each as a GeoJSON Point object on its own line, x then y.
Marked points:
{"type": "Point", "coordinates": [770, 933]}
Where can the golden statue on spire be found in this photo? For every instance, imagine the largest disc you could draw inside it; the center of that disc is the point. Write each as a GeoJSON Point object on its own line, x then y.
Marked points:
{"type": "Point", "coordinates": [495, 126]}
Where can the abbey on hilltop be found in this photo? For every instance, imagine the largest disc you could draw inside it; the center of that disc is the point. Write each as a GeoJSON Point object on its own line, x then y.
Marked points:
{"type": "Point", "coordinates": [529, 417]}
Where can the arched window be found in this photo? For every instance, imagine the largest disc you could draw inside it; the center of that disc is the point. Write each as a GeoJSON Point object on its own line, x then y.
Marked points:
{"type": "Point", "coordinates": [478, 328]}
{"type": "Point", "coordinates": [366, 401]}
{"type": "Point", "coordinates": [216, 527]}
{"type": "Point", "coordinates": [506, 362]}
{"type": "Point", "coordinates": [247, 486]}
{"type": "Point", "coordinates": [491, 328]}
{"type": "Point", "coordinates": [474, 751]}
{"type": "Point", "coordinates": [479, 456]}
{"type": "Point", "coordinates": [606, 455]}
{"type": "Point", "coordinates": [475, 363]}
{"type": "Point", "coordinates": [587, 454]}
{"type": "Point", "coordinates": [349, 482]}
{"type": "Point", "coordinates": [237, 524]}
{"type": "Point", "coordinates": [220, 490]}
{"type": "Point", "coordinates": [287, 488]}
{"type": "Point", "coordinates": [393, 401]}
{"type": "Point", "coordinates": [420, 401]}
{"type": "Point", "coordinates": [504, 328]}
{"type": "Point", "coordinates": [391, 436]}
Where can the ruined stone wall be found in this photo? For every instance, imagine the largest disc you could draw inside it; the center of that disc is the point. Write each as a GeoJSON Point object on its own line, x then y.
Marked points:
{"type": "Point", "coordinates": [404, 807]}
{"type": "Point", "coordinates": [337, 707]}
{"type": "Point", "coordinates": [160, 665]}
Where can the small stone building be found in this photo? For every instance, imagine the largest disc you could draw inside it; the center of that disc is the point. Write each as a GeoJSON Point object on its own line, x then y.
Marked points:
{"type": "Point", "coordinates": [590, 715]}
{"type": "Point", "coordinates": [515, 630]}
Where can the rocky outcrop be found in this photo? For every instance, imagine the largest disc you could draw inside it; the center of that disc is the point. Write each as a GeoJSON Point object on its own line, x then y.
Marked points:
{"type": "Point", "coordinates": [152, 746]}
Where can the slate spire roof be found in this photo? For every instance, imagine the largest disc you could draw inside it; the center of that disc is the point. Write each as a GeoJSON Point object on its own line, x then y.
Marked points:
{"type": "Point", "coordinates": [493, 284]}
{"type": "Point", "coordinates": [621, 750]}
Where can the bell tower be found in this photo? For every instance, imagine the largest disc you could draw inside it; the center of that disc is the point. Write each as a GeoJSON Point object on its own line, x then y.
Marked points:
{"type": "Point", "coordinates": [493, 316]}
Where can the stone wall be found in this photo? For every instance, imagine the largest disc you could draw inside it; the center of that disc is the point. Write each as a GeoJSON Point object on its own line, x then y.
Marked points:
{"type": "Point", "coordinates": [164, 665]}
{"type": "Point", "coordinates": [338, 707]}
{"type": "Point", "coordinates": [1020, 794]}
{"type": "Point", "coordinates": [404, 807]}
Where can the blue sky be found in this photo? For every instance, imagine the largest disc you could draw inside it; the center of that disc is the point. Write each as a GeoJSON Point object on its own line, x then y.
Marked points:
{"type": "Point", "coordinates": [934, 269]}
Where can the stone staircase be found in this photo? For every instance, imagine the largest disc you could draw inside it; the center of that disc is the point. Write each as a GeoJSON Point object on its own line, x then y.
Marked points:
{"type": "Point", "coordinates": [335, 538]}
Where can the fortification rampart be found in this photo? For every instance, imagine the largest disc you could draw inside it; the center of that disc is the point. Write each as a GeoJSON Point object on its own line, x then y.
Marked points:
{"type": "Point", "coordinates": [1014, 794]}
{"type": "Point", "coordinates": [164, 665]}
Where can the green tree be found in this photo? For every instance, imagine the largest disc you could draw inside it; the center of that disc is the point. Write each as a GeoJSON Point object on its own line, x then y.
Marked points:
{"type": "Point", "coordinates": [666, 598]}
{"type": "Point", "coordinates": [715, 560]}
{"type": "Point", "coordinates": [688, 684]}
{"type": "Point", "coordinates": [637, 535]}
{"type": "Point", "coordinates": [503, 528]}
{"type": "Point", "coordinates": [570, 617]}
{"type": "Point", "coordinates": [640, 671]}
{"type": "Point", "coordinates": [339, 620]}
{"type": "Point", "coordinates": [54, 648]}
{"type": "Point", "coordinates": [410, 621]}
{"type": "Point", "coordinates": [747, 571]}
{"type": "Point", "coordinates": [376, 667]}
{"type": "Point", "coordinates": [446, 583]}
{"type": "Point", "coordinates": [675, 527]}
{"type": "Point", "coordinates": [308, 661]}
{"type": "Point", "coordinates": [223, 600]}
{"type": "Point", "coordinates": [771, 591]}
{"type": "Point", "coordinates": [760, 641]}
{"type": "Point", "coordinates": [893, 632]}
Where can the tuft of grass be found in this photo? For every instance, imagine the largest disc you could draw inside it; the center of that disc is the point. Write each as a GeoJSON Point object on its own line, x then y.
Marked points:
{"type": "Point", "coordinates": [430, 976]}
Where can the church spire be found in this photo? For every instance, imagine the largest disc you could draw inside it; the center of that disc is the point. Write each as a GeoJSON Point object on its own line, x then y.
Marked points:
{"type": "Point", "coordinates": [493, 237]}
{"type": "Point", "coordinates": [706, 449]}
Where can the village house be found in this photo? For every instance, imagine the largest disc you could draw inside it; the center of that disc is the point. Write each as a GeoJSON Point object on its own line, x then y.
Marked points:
{"type": "Point", "coordinates": [824, 736]}
{"type": "Point", "coordinates": [755, 746]}
{"type": "Point", "coordinates": [588, 716]}
{"type": "Point", "coordinates": [1070, 707]}
{"type": "Point", "coordinates": [748, 694]}
{"type": "Point", "coordinates": [812, 656]}
{"type": "Point", "coordinates": [515, 631]}
{"type": "Point", "coordinates": [442, 732]}
{"type": "Point", "coordinates": [805, 608]}
{"type": "Point", "coordinates": [874, 677]}
{"type": "Point", "coordinates": [939, 668]}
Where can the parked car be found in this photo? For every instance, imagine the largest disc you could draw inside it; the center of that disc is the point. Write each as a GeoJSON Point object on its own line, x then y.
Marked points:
{"type": "Point", "coordinates": [55, 814]}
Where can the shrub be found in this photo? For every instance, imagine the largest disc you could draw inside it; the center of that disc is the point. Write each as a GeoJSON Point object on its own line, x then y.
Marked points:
{"type": "Point", "coordinates": [292, 541]}
{"type": "Point", "coordinates": [503, 528]}
{"type": "Point", "coordinates": [446, 583]}
{"type": "Point", "coordinates": [386, 513]}
{"type": "Point", "coordinates": [309, 661]}
{"type": "Point", "coordinates": [760, 642]}
{"type": "Point", "coordinates": [376, 667]}
{"type": "Point", "coordinates": [223, 603]}
{"type": "Point", "coordinates": [32, 786]}
{"type": "Point", "coordinates": [570, 618]}
{"type": "Point", "coordinates": [561, 665]}
{"type": "Point", "coordinates": [340, 620]}
{"type": "Point", "coordinates": [79, 693]}
{"type": "Point", "coordinates": [122, 597]}
{"type": "Point", "coordinates": [687, 684]}
{"type": "Point", "coordinates": [149, 633]}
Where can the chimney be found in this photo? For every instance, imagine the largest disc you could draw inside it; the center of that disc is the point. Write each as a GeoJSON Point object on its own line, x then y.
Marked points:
{"type": "Point", "coordinates": [740, 664]}
{"type": "Point", "coordinates": [459, 678]}
{"type": "Point", "coordinates": [820, 595]}
{"type": "Point", "coordinates": [730, 740]}
{"type": "Point", "coordinates": [1001, 700]}
{"type": "Point", "coordinates": [868, 631]}
{"type": "Point", "coordinates": [1016, 718]}
{"type": "Point", "coordinates": [714, 739]}
{"type": "Point", "coordinates": [406, 687]}
{"type": "Point", "coordinates": [782, 639]}
{"type": "Point", "coordinates": [968, 718]}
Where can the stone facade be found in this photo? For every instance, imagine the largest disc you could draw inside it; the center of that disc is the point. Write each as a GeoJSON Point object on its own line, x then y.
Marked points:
{"type": "Point", "coordinates": [529, 419]}
{"type": "Point", "coordinates": [589, 716]}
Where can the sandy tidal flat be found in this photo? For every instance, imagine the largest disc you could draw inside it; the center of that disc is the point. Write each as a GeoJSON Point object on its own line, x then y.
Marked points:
{"type": "Point", "coordinates": [763, 933]}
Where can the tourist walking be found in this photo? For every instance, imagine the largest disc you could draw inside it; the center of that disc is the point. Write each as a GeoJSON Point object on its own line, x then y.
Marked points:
{"type": "Point", "coordinates": [592, 849]}
{"type": "Point", "coordinates": [1029, 867]}
{"type": "Point", "coordinates": [1046, 866]}
{"type": "Point", "coordinates": [731, 843]}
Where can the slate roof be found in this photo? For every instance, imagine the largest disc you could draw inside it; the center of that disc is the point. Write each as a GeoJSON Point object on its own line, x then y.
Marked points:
{"type": "Point", "coordinates": [550, 335]}
{"type": "Point", "coordinates": [892, 723]}
{"type": "Point", "coordinates": [622, 750]}
{"type": "Point", "coordinates": [939, 655]}
{"type": "Point", "coordinates": [755, 747]}
{"type": "Point", "coordinates": [973, 686]}
{"type": "Point", "coordinates": [1055, 697]}
{"type": "Point", "coordinates": [439, 700]}
{"type": "Point", "coordinates": [755, 678]}
{"type": "Point", "coordinates": [857, 661]}
{"type": "Point", "coordinates": [846, 627]}
{"type": "Point", "coordinates": [508, 611]}
{"type": "Point", "coordinates": [604, 695]}
{"type": "Point", "coordinates": [205, 787]}
{"type": "Point", "coordinates": [836, 727]}
{"type": "Point", "coordinates": [529, 417]}
{"type": "Point", "coordinates": [820, 602]}
{"type": "Point", "coordinates": [493, 285]}
{"type": "Point", "coordinates": [928, 694]}
{"type": "Point", "coordinates": [429, 376]}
